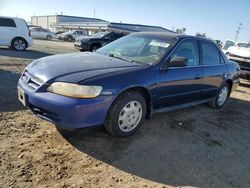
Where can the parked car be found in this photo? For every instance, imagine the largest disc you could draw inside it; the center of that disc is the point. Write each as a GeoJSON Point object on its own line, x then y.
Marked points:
{"type": "Point", "coordinates": [230, 43]}
{"type": "Point", "coordinates": [241, 54]}
{"type": "Point", "coordinates": [41, 33]}
{"type": "Point", "coordinates": [14, 33]}
{"type": "Point", "coordinates": [71, 35]}
{"type": "Point", "coordinates": [126, 81]}
{"type": "Point", "coordinates": [96, 41]}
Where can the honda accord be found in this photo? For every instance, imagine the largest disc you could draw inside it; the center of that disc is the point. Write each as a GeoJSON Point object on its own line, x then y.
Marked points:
{"type": "Point", "coordinates": [127, 81]}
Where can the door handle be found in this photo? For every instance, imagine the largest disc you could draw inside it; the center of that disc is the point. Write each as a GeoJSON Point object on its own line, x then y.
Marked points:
{"type": "Point", "coordinates": [197, 76]}
{"type": "Point", "coordinates": [224, 75]}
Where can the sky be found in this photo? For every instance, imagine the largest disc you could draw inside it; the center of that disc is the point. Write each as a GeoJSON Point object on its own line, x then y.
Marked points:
{"type": "Point", "coordinates": [219, 19]}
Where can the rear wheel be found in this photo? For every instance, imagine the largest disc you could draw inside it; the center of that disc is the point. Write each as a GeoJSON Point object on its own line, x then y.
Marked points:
{"type": "Point", "coordinates": [19, 44]}
{"type": "Point", "coordinates": [221, 97]}
{"type": "Point", "coordinates": [126, 115]}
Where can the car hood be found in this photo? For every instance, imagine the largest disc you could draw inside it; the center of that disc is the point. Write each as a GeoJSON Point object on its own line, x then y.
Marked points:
{"type": "Point", "coordinates": [243, 52]}
{"type": "Point", "coordinates": [84, 37]}
{"type": "Point", "coordinates": [76, 67]}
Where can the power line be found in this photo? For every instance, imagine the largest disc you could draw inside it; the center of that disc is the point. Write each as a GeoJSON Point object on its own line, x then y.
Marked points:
{"type": "Point", "coordinates": [238, 31]}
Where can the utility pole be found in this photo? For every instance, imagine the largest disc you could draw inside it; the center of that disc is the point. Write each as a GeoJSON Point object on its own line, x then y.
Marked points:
{"type": "Point", "coordinates": [238, 31]}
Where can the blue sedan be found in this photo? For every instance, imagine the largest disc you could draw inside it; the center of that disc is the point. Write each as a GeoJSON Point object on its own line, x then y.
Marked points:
{"type": "Point", "coordinates": [128, 80]}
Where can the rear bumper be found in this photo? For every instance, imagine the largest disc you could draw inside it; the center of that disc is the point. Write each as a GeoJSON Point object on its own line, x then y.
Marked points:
{"type": "Point", "coordinates": [67, 112]}
{"type": "Point", "coordinates": [29, 41]}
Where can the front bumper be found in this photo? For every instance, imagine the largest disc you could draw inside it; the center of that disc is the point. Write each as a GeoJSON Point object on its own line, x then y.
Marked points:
{"type": "Point", "coordinates": [82, 46]}
{"type": "Point", "coordinates": [244, 64]}
{"type": "Point", "coordinates": [67, 112]}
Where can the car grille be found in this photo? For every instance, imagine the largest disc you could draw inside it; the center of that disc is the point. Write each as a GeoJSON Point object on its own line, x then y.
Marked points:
{"type": "Point", "coordinates": [32, 81]}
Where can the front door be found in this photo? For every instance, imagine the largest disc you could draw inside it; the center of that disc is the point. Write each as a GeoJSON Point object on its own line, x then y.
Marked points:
{"type": "Point", "coordinates": [179, 85]}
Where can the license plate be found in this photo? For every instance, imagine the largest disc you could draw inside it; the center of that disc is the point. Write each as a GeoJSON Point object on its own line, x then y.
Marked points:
{"type": "Point", "coordinates": [21, 96]}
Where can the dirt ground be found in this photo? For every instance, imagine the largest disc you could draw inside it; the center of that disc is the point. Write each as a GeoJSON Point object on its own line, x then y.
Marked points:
{"type": "Point", "coordinates": [194, 147]}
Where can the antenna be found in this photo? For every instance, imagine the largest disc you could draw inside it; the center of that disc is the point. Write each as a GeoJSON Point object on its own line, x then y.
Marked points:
{"type": "Point", "coordinates": [238, 31]}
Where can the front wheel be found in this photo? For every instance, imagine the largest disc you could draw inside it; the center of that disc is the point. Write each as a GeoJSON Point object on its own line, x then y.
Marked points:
{"type": "Point", "coordinates": [93, 48]}
{"type": "Point", "coordinates": [221, 97]}
{"type": "Point", "coordinates": [126, 115]}
{"type": "Point", "coordinates": [70, 38]}
{"type": "Point", "coordinates": [48, 37]}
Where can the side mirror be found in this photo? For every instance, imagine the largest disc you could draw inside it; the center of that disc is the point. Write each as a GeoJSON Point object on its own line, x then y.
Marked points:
{"type": "Point", "coordinates": [178, 61]}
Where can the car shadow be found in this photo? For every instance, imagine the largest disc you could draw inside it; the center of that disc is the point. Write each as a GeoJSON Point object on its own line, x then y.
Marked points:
{"type": "Point", "coordinates": [245, 84]}
{"type": "Point", "coordinates": [27, 54]}
{"type": "Point", "coordinates": [173, 148]}
{"type": "Point", "coordinates": [8, 87]}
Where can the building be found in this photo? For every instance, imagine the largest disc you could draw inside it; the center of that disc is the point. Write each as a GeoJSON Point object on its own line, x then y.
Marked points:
{"type": "Point", "coordinates": [89, 25]}
{"type": "Point", "coordinates": [128, 28]}
{"type": "Point", "coordinates": [63, 22]}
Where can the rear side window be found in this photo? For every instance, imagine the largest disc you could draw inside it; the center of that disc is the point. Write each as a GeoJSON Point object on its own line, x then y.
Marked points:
{"type": "Point", "coordinates": [210, 54]}
{"type": "Point", "coordinates": [7, 22]}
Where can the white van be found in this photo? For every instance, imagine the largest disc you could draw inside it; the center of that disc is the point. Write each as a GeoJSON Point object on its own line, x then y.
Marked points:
{"type": "Point", "coordinates": [14, 32]}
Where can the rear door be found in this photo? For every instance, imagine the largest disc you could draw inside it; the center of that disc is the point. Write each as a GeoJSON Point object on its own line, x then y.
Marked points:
{"type": "Point", "coordinates": [214, 67]}
{"type": "Point", "coordinates": [8, 31]}
{"type": "Point", "coordinates": [178, 85]}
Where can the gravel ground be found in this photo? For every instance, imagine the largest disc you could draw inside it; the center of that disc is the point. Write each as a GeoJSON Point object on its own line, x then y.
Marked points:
{"type": "Point", "coordinates": [194, 147]}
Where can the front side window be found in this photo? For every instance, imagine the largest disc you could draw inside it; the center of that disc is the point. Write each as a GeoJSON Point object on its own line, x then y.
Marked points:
{"type": "Point", "coordinates": [142, 49]}
{"type": "Point", "coordinates": [189, 50]}
{"type": "Point", "coordinates": [210, 54]}
{"type": "Point", "coordinates": [7, 22]}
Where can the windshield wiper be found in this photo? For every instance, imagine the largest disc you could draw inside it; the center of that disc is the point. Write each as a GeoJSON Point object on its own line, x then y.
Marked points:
{"type": "Point", "coordinates": [122, 58]}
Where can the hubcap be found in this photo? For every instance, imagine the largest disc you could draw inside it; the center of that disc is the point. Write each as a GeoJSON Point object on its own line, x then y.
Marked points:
{"type": "Point", "coordinates": [130, 116]}
{"type": "Point", "coordinates": [223, 96]}
{"type": "Point", "coordinates": [19, 44]}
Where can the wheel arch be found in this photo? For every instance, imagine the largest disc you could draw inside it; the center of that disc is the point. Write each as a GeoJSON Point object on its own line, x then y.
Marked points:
{"type": "Point", "coordinates": [145, 93]}
{"type": "Point", "coordinates": [230, 84]}
{"type": "Point", "coordinates": [19, 37]}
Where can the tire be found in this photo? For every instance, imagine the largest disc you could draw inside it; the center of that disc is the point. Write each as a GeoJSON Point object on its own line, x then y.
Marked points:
{"type": "Point", "coordinates": [126, 115]}
{"type": "Point", "coordinates": [19, 44]}
{"type": "Point", "coordinates": [48, 37]}
{"type": "Point", "coordinates": [221, 97]}
{"type": "Point", "coordinates": [94, 47]}
{"type": "Point", "coordinates": [70, 38]}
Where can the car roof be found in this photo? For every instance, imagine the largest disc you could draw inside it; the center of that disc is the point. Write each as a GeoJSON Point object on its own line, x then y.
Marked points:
{"type": "Point", "coordinates": [16, 18]}
{"type": "Point", "coordinates": [176, 36]}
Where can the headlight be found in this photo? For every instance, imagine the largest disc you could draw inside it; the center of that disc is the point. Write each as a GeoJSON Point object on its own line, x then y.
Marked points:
{"type": "Point", "coordinates": [75, 90]}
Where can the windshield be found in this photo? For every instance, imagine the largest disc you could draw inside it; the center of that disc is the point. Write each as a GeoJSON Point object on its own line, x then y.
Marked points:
{"type": "Point", "coordinates": [100, 34]}
{"type": "Point", "coordinates": [142, 48]}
